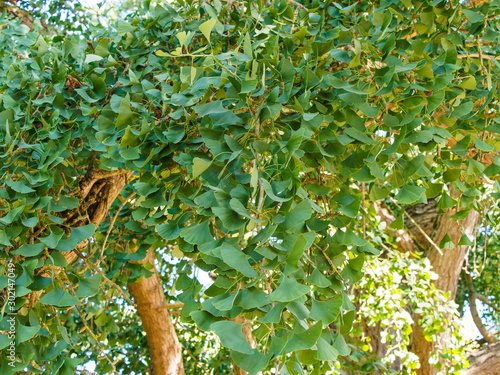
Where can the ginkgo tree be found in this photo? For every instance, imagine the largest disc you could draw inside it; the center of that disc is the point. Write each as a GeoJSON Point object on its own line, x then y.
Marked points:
{"type": "Point", "coordinates": [246, 139]}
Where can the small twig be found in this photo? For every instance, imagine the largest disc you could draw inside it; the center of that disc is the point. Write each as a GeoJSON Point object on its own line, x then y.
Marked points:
{"type": "Point", "coordinates": [363, 205]}
{"type": "Point", "coordinates": [261, 203]}
{"type": "Point", "coordinates": [94, 336]}
{"type": "Point", "coordinates": [334, 269]}
{"type": "Point", "coordinates": [111, 224]}
{"type": "Point", "coordinates": [105, 278]}
{"type": "Point", "coordinates": [486, 301]}
{"type": "Point", "coordinates": [172, 306]}
{"type": "Point", "coordinates": [480, 56]}
{"type": "Point", "coordinates": [297, 4]}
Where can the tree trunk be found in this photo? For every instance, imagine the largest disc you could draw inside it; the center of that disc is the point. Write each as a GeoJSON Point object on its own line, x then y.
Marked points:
{"type": "Point", "coordinates": [448, 267]}
{"type": "Point", "coordinates": [164, 347]}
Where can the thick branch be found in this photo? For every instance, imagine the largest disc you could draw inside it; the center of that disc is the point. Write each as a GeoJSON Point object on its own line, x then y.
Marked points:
{"type": "Point", "coordinates": [486, 301]}
{"type": "Point", "coordinates": [164, 347]}
{"type": "Point", "coordinates": [490, 339]}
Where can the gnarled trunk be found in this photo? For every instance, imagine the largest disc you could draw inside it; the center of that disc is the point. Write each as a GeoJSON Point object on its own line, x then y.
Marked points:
{"type": "Point", "coordinates": [164, 347]}
{"type": "Point", "coordinates": [446, 263]}
{"type": "Point", "coordinates": [448, 266]}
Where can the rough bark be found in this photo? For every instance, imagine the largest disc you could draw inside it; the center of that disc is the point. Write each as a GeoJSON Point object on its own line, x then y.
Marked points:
{"type": "Point", "coordinates": [485, 361]}
{"type": "Point", "coordinates": [448, 266]}
{"type": "Point", "coordinates": [94, 205]}
{"type": "Point", "coordinates": [164, 347]}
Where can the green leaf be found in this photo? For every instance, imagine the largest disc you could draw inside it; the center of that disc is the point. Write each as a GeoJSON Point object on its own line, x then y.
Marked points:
{"type": "Point", "coordinates": [341, 346]}
{"type": "Point", "coordinates": [460, 215]}
{"type": "Point", "coordinates": [347, 321]}
{"type": "Point", "coordinates": [446, 201]}
{"type": "Point", "coordinates": [483, 146]}
{"type": "Point", "coordinates": [4, 238]}
{"type": "Point", "coordinates": [295, 254]}
{"type": "Point", "coordinates": [326, 311]}
{"type": "Point", "coordinates": [30, 250]}
{"type": "Point", "coordinates": [203, 319]}
{"type": "Point", "coordinates": [169, 231]}
{"type": "Point", "coordinates": [231, 336]}
{"type": "Point", "coordinates": [468, 83]}
{"type": "Point", "coordinates": [124, 27]}
{"type": "Point", "coordinates": [92, 58]}
{"type": "Point", "coordinates": [230, 219]}
{"type": "Point", "coordinates": [318, 279]}
{"type": "Point", "coordinates": [226, 303]}
{"type": "Point", "coordinates": [294, 142]}
{"type": "Point", "coordinates": [326, 352]}
{"type": "Point", "coordinates": [206, 28]}
{"type": "Point", "coordinates": [360, 136]}
{"type": "Point", "coordinates": [251, 298]}
{"type": "Point", "coordinates": [102, 48]}
{"type": "Point", "coordinates": [78, 235]}
{"type": "Point", "coordinates": [30, 222]}
{"type": "Point", "coordinates": [129, 138]}
{"type": "Point", "coordinates": [60, 298]}
{"type": "Point", "coordinates": [462, 110]}
{"type": "Point", "coordinates": [210, 108]}
{"type": "Point", "coordinates": [124, 111]}
{"type": "Point", "coordinates": [19, 186]}
{"type": "Point", "coordinates": [298, 215]}
{"type": "Point", "coordinates": [269, 191]}
{"type": "Point", "coordinates": [234, 257]}
{"type": "Point", "coordinates": [25, 333]}
{"type": "Point", "coordinates": [304, 340]}
{"type": "Point", "coordinates": [288, 290]}
{"type": "Point", "coordinates": [274, 315]}
{"type": "Point", "coordinates": [447, 242]}
{"type": "Point", "coordinates": [197, 234]}
{"type": "Point", "coordinates": [462, 146]}
{"type": "Point", "coordinates": [52, 239]}
{"type": "Point", "coordinates": [409, 194]}
{"type": "Point", "coordinates": [253, 363]}
{"type": "Point", "coordinates": [377, 193]}
{"type": "Point", "coordinates": [88, 286]}
{"type": "Point", "coordinates": [435, 100]}
{"type": "Point", "coordinates": [474, 167]}
{"type": "Point", "coordinates": [465, 240]}
{"type": "Point", "coordinates": [182, 37]}
{"type": "Point", "coordinates": [473, 17]}
{"type": "Point", "coordinates": [4, 341]}
{"type": "Point", "coordinates": [200, 166]}
{"type": "Point", "coordinates": [399, 223]}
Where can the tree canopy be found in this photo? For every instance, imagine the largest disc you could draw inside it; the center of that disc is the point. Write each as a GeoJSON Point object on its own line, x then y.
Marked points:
{"type": "Point", "coordinates": [251, 140]}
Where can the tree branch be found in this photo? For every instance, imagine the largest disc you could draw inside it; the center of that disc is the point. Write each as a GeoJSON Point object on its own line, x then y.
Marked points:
{"type": "Point", "coordinates": [490, 339]}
